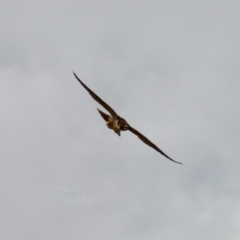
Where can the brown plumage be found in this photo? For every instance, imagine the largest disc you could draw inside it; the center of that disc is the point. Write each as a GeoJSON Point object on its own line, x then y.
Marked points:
{"type": "Point", "coordinates": [117, 123]}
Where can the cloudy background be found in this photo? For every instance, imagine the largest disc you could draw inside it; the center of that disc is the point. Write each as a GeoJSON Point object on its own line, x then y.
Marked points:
{"type": "Point", "coordinates": [171, 68]}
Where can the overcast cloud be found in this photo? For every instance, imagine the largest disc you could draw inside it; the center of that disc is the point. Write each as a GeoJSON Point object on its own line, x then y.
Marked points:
{"type": "Point", "coordinates": [171, 68]}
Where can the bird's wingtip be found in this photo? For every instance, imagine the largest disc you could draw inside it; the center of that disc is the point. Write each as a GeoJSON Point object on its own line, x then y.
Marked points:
{"type": "Point", "coordinates": [78, 78]}
{"type": "Point", "coordinates": [177, 162]}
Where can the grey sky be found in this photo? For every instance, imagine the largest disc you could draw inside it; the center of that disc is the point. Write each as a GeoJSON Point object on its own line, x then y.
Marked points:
{"type": "Point", "coordinates": [171, 68]}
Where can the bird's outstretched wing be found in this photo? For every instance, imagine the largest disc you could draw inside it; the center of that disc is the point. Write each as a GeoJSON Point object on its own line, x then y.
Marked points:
{"type": "Point", "coordinates": [149, 143]}
{"type": "Point", "coordinates": [98, 99]}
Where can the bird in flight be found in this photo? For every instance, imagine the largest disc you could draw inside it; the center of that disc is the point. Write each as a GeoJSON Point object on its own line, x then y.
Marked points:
{"type": "Point", "coordinates": [117, 123]}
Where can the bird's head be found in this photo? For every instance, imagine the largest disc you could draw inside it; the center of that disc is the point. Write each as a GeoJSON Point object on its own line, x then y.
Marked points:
{"type": "Point", "coordinates": [125, 127]}
{"type": "Point", "coordinates": [123, 124]}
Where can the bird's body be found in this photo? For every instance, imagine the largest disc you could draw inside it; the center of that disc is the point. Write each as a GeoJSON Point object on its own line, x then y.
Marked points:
{"type": "Point", "coordinates": [117, 123]}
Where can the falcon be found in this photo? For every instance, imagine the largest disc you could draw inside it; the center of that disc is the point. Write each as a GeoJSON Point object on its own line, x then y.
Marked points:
{"type": "Point", "coordinates": [117, 123]}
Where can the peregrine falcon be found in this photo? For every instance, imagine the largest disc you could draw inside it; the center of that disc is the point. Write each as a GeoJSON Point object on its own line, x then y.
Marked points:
{"type": "Point", "coordinates": [117, 123]}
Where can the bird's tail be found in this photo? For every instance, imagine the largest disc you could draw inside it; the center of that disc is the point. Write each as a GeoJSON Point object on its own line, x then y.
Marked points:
{"type": "Point", "coordinates": [105, 116]}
